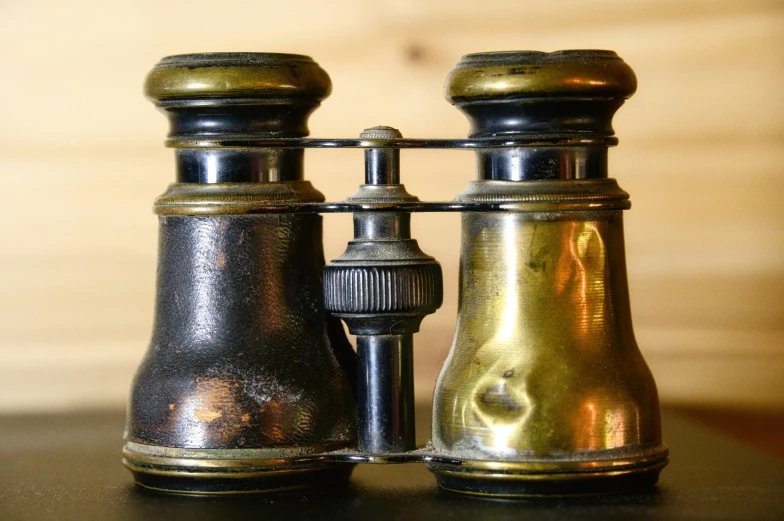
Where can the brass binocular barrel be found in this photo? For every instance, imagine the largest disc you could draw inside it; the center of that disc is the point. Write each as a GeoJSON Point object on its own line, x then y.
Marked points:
{"type": "Point", "coordinates": [250, 384]}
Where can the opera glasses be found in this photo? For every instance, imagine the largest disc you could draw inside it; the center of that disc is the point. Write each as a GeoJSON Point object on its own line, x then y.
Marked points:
{"type": "Point", "coordinates": [250, 384]}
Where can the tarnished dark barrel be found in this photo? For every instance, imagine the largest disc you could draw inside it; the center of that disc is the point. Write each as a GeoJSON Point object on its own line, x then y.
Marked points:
{"type": "Point", "coordinates": [244, 371]}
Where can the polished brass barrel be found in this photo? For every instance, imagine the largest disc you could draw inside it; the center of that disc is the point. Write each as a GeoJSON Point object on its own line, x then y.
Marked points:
{"type": "Point", "coordinates": [545, 391]}
{"type": "Point", "coordinates": [246, 378]}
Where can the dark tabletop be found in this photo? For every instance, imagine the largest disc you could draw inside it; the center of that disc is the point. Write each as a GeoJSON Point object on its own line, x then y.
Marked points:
{"type": "Point", "coordinates": [68, 467]}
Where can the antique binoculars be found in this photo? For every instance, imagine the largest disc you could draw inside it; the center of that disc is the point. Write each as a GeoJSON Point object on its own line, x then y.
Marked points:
{"type": "Point", "coordinates": [250, 384]}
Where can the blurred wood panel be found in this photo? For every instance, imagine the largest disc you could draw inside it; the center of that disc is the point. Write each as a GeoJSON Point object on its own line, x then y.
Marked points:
{"type": "Point", "coordinates": [701, 153]}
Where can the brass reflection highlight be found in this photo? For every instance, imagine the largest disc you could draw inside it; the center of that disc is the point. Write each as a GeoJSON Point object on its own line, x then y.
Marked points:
{"type": "Point", "coordinates": [544, 364]}
{"type": "Point", "coordinates": [545, 391]}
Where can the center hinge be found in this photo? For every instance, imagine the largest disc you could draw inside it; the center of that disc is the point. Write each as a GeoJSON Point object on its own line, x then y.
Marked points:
{"type": "Point", "coordinates": [382, 287]}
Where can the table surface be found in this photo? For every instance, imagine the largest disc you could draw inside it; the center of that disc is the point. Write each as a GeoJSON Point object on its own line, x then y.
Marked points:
{"type": "Point", "coordinates": [68, 467]}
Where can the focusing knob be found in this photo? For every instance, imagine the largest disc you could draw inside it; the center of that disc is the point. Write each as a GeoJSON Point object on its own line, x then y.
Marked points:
{"type": "Point", "coordinates": [383, 284]}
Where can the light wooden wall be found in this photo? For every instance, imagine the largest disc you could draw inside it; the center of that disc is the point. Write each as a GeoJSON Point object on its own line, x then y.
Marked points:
{"type": "Point", "coordinates": [701, 153]}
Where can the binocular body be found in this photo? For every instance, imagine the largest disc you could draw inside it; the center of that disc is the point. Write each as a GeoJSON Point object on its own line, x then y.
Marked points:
{"type": "Point", "coordinates": [250, 384]}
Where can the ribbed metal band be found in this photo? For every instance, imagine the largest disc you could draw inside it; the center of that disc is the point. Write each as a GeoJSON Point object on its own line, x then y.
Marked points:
{"type": "Point", "coordinates": [233, 198]}
{"type": "Point", "coordinates": [549, 195]}
{"type": "Point", "coordinates": [382, 289]}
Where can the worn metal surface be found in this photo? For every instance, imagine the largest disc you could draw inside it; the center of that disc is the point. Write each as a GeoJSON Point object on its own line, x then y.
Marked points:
{"type": "Point", "coordinates": [544, 368]}
{"type": "Point", "coordinates": [236, 198]}
{"type": "Point", "coordinates": [544, 390]}
{"type": "Point", "coordinates": [239, 356]}
{"type": "Point", "coordinates": [245, 371]}
{"type": "Point", "coordinates": [240, 75]}
{"type": "Point", "coordinates": [242, 352]}
{"type": "Point", "coordinates": [530, 92]}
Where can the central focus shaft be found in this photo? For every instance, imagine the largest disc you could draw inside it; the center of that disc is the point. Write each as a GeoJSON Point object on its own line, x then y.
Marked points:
{"type": "Point", "coordinates": [382, 287]}
{"type": "Point", "coordinates": [385, 393]}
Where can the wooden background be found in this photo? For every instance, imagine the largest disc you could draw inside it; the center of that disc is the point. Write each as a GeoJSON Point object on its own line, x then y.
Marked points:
{"type": "Point", "coordinates": [81, 158]}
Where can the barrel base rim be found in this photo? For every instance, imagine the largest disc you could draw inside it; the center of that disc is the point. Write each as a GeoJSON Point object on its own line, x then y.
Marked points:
{"type": "Point", "coordinates": [500, 483]}
{"type": "Point", "coordinates": [212, 476]}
